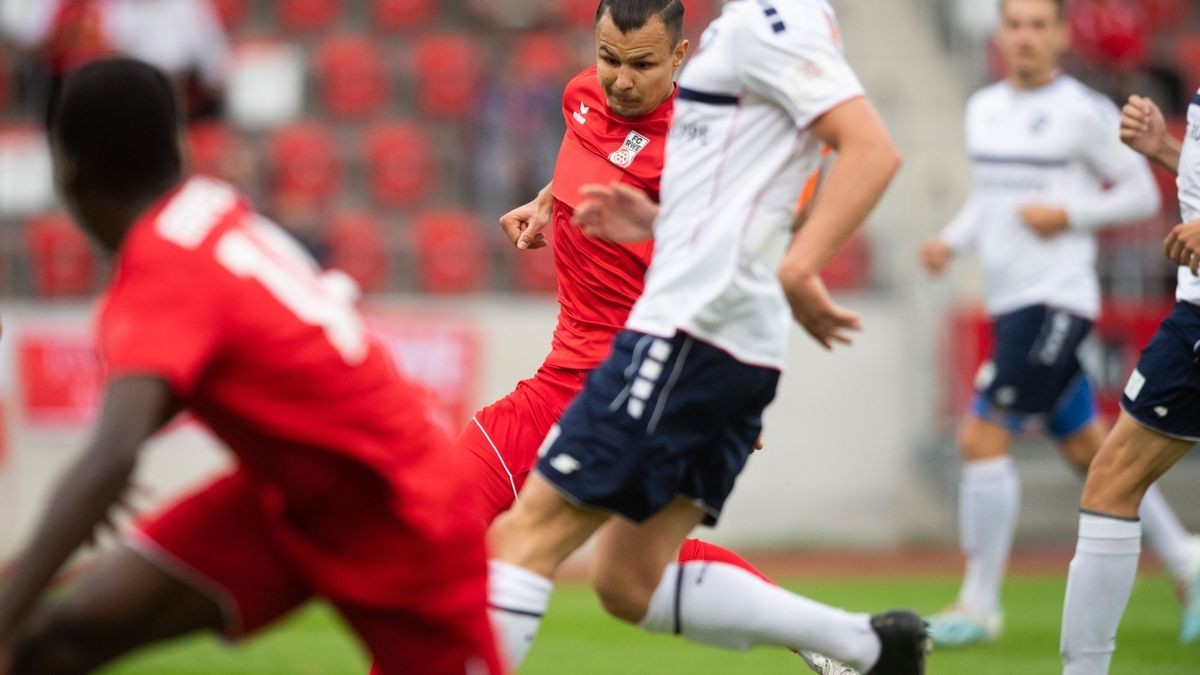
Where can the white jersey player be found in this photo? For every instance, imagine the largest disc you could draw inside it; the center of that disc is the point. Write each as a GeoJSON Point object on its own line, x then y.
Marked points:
{"type": "Point", "coordinates": [1160, 422]}
{"type": "Point", "coordinates": [663, 427]}
{"type": "Point", "coordinates": [1049, 169]}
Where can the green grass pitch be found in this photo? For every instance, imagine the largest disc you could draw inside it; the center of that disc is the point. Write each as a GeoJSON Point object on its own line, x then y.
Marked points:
{"type": "Point", "coordinates": [577, 639]}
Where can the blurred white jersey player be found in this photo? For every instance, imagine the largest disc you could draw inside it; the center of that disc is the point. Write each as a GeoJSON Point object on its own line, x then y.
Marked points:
{"type": "Point", "coordinates": [1049, 169]}
{"type": "Point", "coordinates": [663, 427]}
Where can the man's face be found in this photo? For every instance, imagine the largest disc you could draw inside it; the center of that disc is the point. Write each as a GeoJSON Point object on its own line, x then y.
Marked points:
{"type": "Point", "coordinates": [1032, 37]}
{"type": "Point", "coordinates": [636, 69]}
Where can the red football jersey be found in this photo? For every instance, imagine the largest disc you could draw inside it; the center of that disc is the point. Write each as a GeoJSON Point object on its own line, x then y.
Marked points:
{"type": "Point", "coordinates": [598, 282]}
{"type": "Point", "coordinates": [272, 356]}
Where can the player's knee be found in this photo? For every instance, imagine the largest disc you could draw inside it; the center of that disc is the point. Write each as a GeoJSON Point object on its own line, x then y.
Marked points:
{"type": "Point", "coordinates": [979, 440]}
{"type": "Point", "coordinates": [621, 597]}
{"type": "Point", "coordinates": [49, 646]}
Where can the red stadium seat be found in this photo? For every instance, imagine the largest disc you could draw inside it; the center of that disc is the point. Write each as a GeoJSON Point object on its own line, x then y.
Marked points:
{"type": "Point", "coordinates": [450, 253]}
{"type": "Point", "coordinates": [1164, 13]}
{"type": "Point", "coordinates": [448, 69]}
{"type": "Point", "coordinates": [232, 12]}
{"type": "Point", "coordinates": [304, 162]}
{"type": "Point", "coordinates": [210, 145]}
{"type": "Point", "coordinates": [1111, 33]}
{"type": "Point", "coordinates": [578, 13]}
{"type": "Point", "coordinates": [308, 15]}
{"type": "Point", "coordinates": [61, 260]}
{"type": "Point", "coordinates": [352, 76]}
{"type": "Point", "coordinates": [534, 269]}
{"type": "Point", "coordinates": [1187, 58]}
{"type": "Point", "coordinates": [403, 14]}
{"type": "Point", "coordinates": [401, 164]}
{"type": "Point", "coordinates": [540, 57]}
{"type": "Point", "coordinates": [357, 245]}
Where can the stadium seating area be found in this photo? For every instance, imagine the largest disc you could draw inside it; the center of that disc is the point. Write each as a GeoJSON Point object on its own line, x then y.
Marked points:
{"type": "Point", "coordinates": [390, 134]}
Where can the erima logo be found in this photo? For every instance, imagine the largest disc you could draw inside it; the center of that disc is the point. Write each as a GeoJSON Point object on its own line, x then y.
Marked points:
{"type": "Point", "coordinates": [1161, 410]}
{"type": "Point", "coordinates": [583, 110]}
{"type": "Point", "coordinates": [634, 143]}
{"type": "Point", "coordinates": [565, 464]}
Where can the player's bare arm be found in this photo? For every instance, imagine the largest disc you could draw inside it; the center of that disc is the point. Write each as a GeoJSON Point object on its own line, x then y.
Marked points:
{"type": "Point", "coordinates": [134, 408]}
{"type": "Point", "coordinates": [1144, 129]}
{"type": "Point", "coordinates": [617, 212]}
{"type": "Point", "coordinates": [1182, 245]}
{"type": "Point", "coordinates": [866, 162]}
{"type": "Point", "coordinates": [523, 225]}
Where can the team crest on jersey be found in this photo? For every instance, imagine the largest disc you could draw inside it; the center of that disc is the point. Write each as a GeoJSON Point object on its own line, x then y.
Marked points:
{"type": "Point", "coordinates": [634, 143]}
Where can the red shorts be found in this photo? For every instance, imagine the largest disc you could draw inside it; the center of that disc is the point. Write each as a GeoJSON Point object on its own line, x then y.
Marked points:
{"type": "Point", "coordinates": [506, 435]}
{"type": "Point", "coordinates": [428, 616]}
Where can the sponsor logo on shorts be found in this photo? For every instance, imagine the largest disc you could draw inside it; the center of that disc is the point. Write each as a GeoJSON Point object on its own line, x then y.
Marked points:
{"type": "Point", "coordinates": [985, 375]}
{"type": "Point", "coordinates": [1135, 384]}
{"type": "Point", "coordinates": [1161, 410]}
{"type": "Point", "coordinates": [634, 143]}
{"type": "Point", "coordinates": [565, 464]}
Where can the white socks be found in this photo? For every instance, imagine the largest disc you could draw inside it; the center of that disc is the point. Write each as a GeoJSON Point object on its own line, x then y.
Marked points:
{"type": "Point", "coordinates": [989, 500]}
{"type": "Point", "coordinates": [517, 599]}
{"type": "Point", "coordinates": [1101, 579]}
{"type": "Point", "coordinates": [719, 604]}
{"type": "Point", "coordinates": [1165, 534]}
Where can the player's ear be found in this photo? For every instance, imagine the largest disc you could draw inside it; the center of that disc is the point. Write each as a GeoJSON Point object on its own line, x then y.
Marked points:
{"type": "Point", "coordinates": [681, 51]}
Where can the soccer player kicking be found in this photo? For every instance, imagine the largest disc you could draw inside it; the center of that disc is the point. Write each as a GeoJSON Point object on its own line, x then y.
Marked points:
{"type": "Point", "coordinates": [617, 115]}
{"type": "Point", "coordinates": [1049, 170]}
{"type": "Point", "coordinates": [339, 489]}
{"type": "Point", "coordinates": [1159, 423]}
{"type": "Point", "coordinates": [665, 424]}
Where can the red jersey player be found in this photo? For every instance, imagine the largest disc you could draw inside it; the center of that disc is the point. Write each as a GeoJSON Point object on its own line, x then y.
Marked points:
{"type": "Point", "coordinates": [618, 114]}
{"type": "Point", "coordinates": [338, 490]}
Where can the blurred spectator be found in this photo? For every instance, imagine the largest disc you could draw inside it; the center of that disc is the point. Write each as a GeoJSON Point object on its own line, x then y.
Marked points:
{"type": "Point", "coordinates": [1111, 34]}
{"type": "Point", "coordinates": [518, 138]}
{"type": "Point", "coordinates": [513, 13]}
{"type": "Point", "coordinates": [184, 38]}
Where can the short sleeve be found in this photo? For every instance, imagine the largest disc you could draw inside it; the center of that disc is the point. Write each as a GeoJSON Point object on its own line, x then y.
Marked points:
{"type": "Point", "coordinates": [161, 317]}
{"type": "Point", "coordinates": [800, 68]}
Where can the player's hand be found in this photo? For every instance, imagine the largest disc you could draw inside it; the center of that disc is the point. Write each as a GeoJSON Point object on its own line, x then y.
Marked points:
{"type": "Point", "coordinates": [616, 212]}
{"type": "Point", "coordinates": [1143, 127]}
{"type": "Point", "coordinates": [523, 225]}
{"type": "Point", "coordinates": [1182, 245]}
{"type": "Point", "coordinates": [1045, 221]}
{"type": "Point", "coordinates": [814, 310]}
{"type": "Point", "coordinates": [936, 255]}
{"type": "Point", "coordinates": [759, 444]}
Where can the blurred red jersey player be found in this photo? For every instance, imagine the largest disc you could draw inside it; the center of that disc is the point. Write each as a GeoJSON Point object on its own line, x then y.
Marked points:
{"type": "Point", "coordinates": [338, 489]}
{"type": "Point", "coordinates": [618, 114]}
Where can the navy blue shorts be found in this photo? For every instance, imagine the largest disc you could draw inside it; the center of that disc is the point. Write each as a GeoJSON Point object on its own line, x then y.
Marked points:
{"type": "Point", "coordinates": [659, 418]}
{"type": "Point", "coordinates": [1163, 393]}
{"type": "Point", "coordinates": [1034, 379]}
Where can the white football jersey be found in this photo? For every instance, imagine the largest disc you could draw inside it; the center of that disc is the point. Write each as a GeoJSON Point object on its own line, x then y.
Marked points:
{"type": "Point", "coordinates": [736, 160]}
{"type": "Point", "coordinates": [1189, 196]}
{"type": "Point", "coordinates": [1058, 145]}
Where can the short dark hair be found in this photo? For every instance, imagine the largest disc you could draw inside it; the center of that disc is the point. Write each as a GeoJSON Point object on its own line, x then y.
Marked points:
{"type": "Point", "coordinates": [118, 120]}
{"type": "Point", "coordinates": [1060, 5]}
{"type": "Point", "coordinates": [630, 15]}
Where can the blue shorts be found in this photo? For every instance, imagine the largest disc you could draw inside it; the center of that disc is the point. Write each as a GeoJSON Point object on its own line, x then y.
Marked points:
{"type": "Point", "coordinates": [1034, 379]}
{"type": "Point", "coordinates": [660, 418]}
{"type": "Point", "coordinates": [1163, 393]}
